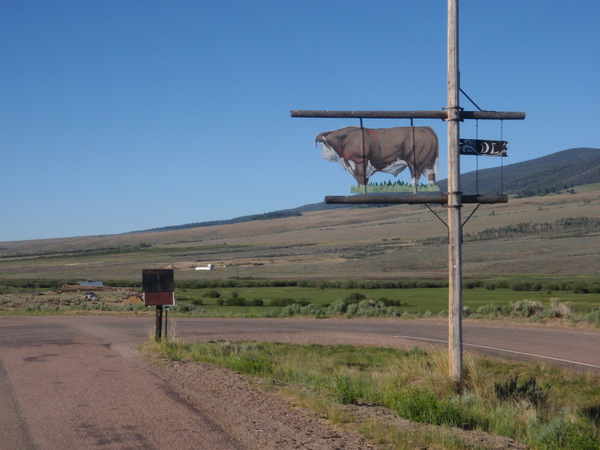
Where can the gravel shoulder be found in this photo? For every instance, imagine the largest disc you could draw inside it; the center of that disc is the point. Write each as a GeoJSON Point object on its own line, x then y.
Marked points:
{"type": "Point", "coordinates": [259, 419]}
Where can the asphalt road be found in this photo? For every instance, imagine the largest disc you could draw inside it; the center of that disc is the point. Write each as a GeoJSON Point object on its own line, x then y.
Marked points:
{"type": "Point", "coordinates": [75, 382]}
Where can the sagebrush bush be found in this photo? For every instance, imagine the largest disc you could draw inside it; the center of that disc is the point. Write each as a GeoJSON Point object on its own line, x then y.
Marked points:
{"type": "Point", "coordinates": [370, 308]}
{"type": "Point", "coordinates": [563, 433]}
{"type": "Point", "coordinates": [526, 308]}
{"type": "Point", "coordinates": [296, 309]}
{"type": "Point", "coordinates": [528, 390]}
{"type": "Point", "coordinates": [311, 310]}
{"type": "Point", "coordinates": [337, 308]}
{"type": "Point", "coordinates": [287, 302]}
{"type": "Point", "coordinates": [593, 318]}
{"type": "Point", "coordinates": [559, 309]}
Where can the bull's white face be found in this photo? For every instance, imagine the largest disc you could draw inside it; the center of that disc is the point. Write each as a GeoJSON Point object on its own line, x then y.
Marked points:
{"type": "Point", "coordinates": [330, 154]}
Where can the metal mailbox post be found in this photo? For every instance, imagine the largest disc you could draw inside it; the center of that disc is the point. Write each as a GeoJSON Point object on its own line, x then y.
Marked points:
{"type": "Point", "coordinates": [159, 290]}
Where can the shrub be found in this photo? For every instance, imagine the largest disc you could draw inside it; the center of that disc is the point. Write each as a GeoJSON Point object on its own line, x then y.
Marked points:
{"type": "Point", "coordinates": [561, 310]}
{"type": "Point", "coordinates": [425, 407]}
{"type": "Point", "coordinates": [526, 286]}
{"type": "Point", "coordinates": [370, 308]}
{"type": "Point", "coordinates": [291, 310]}
{"type": "Point", "coordinates": [528, 390]}
{"type": "Point", "coordinates": [235, 301]}
{"type": "Point", "coordinates": [526, 308]}
{"type": "Point", "coordinates": [184, 307]}
{"type": "Point", "coordinates": [593, 318]}
{"type": "Point", "coordinates": [212, 294]}
{"type": "Point", "coordinates": [255, 302]}
{"type": "Point", "coordinates": [351, 310]}
{"type": "Point", "coordinates": [287, 302]}
{"type": "Point", "coordinates": [388, 302]}
{"type": "Point", "coordinates": [306, 310]}
{"type": "Point", "coordinates": [312, 310]}
{"type": "Point", "coordinates": [251, 364]}
{"type": "Point", "coordinates": [562, 433]}
{"type": "Point", "coordinates": [580, 288]}
{"type": "Point", "coordinates": [197, 302]}
{"type": "Point", "coordinates": [489, 309]}
{"type": "Point", "coordinates": [595, 289]}
{"type": "Point", "coordinates": [355, 297]}
{"type": "Point", "coordinates": [337, 308]}
{"type": "Point", "coordinates": [343, 389]}
{"type": "Point", "coordinates": [490, 285]}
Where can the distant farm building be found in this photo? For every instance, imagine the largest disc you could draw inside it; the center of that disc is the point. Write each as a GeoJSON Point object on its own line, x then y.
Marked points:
{"type": "Point", "coordinates": [91, 283]}
{"type": "Point", "coordinates": [87, 286]}
{"type": "Point", "coordinates": [207, 267]}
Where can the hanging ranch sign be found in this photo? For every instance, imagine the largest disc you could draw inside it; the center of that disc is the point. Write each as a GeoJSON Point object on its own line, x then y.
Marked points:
{"type": "Point", "coordinates": [479, 147]}
{"type": "Point", "coordinates": [364, 151]}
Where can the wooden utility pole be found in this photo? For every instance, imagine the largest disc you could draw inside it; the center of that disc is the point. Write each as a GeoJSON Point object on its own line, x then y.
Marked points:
{"type": "Point", "coordinates": [454, 200]}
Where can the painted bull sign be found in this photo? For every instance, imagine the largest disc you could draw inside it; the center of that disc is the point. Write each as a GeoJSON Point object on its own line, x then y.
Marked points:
{"type": "Point", "coordinates": [364, 151]}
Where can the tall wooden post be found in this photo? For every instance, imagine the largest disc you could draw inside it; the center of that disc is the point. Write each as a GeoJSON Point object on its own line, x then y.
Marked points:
{"type": "Point", "coordinates": [454, 200]}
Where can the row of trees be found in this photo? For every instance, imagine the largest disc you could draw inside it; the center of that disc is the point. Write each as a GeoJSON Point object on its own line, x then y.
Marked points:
{"type": "Point", "coordinates": [566, 225]}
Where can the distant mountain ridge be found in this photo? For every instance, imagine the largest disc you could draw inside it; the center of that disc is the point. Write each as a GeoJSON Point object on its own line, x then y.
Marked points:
{"type": "Point", "coordinates": [552, 173]}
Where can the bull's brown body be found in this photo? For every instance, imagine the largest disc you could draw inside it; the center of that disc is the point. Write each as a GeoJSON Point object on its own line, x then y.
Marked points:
{"type": "Point", "coordinates": [364, 151]}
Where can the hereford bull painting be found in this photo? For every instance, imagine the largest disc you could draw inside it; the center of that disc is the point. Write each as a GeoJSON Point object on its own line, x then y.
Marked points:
{"type": "Point", "coordinates": [364, 151]}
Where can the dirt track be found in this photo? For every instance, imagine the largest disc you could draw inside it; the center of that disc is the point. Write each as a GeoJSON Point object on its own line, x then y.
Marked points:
{"type": "Point", "coordinates": [78, 382]}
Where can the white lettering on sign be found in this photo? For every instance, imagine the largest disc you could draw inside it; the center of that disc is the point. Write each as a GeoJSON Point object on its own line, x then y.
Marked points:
{"type": "Point", "coordinates": [483, 147]}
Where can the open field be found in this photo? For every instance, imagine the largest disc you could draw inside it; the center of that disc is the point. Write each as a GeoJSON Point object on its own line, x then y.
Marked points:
{"type": "Point", "coordinates": [395, 242]}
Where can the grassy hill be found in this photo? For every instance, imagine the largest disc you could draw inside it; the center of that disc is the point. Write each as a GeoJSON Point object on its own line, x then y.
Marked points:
{"type": "Point", "coordinates": [540, 176]}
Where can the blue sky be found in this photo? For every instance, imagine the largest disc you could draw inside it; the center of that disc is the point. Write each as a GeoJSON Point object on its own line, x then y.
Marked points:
{"type": "Point", "coordinates": [121, 115]}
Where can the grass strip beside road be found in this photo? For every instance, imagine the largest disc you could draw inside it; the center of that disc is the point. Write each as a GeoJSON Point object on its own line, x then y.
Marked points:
{"type": "Point", "coordinates": [541, 406]}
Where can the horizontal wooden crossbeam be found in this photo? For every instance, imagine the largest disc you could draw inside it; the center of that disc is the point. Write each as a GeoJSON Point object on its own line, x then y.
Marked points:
{"type": "Point", "coordinates": [392, 199]}
{"type": "Point", "coordinates": [442, 114]}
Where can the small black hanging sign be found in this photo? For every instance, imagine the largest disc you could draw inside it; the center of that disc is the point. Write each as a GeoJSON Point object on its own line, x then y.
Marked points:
{"type": "Point", "coordinates": [481, 147]}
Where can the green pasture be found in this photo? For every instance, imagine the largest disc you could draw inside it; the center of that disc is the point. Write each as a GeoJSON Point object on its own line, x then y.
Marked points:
{"type": "Point", "coordinates": [417, 300]}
